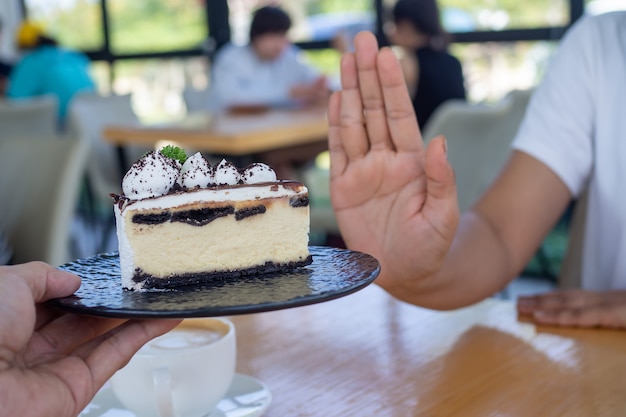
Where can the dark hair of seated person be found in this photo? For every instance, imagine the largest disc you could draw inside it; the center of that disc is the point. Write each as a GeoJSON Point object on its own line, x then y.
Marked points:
{"type": "Point", "coordinates": [46, 41]}
{"type": "Point", "coordinates": [42, 40]}
{"type": "Point", "coordinates": [269, 19]}
{"type": "Point", "coordinates": [424, 17]}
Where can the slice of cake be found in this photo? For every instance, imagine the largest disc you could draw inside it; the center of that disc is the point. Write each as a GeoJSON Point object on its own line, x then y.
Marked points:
{"type": "Point", "coordinates": [183, 224]}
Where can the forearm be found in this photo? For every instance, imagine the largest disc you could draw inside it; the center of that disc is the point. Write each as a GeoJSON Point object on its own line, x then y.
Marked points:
{"type": "Point", "coordinates": [494, 241]}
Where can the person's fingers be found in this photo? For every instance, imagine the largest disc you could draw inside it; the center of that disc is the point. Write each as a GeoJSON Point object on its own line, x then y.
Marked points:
{"type": "Point", "coordinates": [44, 281]}
{"type": "Point", "coordinates": [441, 200]}
{"type": "Point", "coordinates": [64, 334]}
{"type": "Point", "coordinates": [594, 316]}
{"type": "Point", "coordinates": [351, 122]}
{"type": "Point", "coordinates": [112, 350]}
{"type": "Point", "coordinates": [366, 53]}
{"type": "Point", "coordinates": [400, 115]}
{"type": "Point", "coordinates": [559, 300]}
{"type": "Point", "coordinates": [338, 158]}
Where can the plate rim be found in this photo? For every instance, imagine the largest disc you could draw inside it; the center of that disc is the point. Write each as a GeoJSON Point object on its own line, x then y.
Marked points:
{"type": "Point", "coordinates": [126, 313]}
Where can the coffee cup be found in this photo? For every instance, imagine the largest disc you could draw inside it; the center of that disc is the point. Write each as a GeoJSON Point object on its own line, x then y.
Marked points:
{"type": "Point", "coordinates": [183, 373]}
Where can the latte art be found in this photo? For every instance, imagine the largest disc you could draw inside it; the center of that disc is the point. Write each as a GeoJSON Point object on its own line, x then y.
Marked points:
{"type": "Point", "coordinates": [182, 339]}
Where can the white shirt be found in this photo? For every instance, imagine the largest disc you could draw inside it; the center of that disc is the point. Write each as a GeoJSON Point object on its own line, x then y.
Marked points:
{"type": "Point", "coordinates": [240, 77]}
{"type": "Point", "coordinates": [576, 125]}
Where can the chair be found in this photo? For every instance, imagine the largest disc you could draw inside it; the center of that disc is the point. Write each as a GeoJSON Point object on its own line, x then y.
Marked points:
{"type": "Point", "coordinates": [479, 140]}
{"type": "Point", "coordinates": [40, 182]}
{"type": "Point", "coordinates": [29, 118]}
{"type": "Point", "coordinates": [317, 180]}
{"type": "Point", "coordinates": [88, 115]}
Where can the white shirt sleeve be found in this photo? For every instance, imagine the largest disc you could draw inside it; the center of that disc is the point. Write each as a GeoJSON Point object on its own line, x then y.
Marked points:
{"type": "Point", "coordinates": [558, 126]}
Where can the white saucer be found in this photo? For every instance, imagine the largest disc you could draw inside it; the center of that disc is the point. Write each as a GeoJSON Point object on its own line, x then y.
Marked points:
{"type": "Point", "coordinates": [246, 397]}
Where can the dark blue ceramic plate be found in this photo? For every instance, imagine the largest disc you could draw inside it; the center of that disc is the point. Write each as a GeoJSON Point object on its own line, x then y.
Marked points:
{"type": "Point", "coordinates": [333, 274]}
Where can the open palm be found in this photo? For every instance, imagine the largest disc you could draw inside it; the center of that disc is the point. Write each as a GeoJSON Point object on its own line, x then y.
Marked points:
{"type": "Point", "coordinates": [392, 198]}
{"type": "Point", "coordinates": [52, 364]}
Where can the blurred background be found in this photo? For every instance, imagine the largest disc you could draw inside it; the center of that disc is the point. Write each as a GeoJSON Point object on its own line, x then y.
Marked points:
{"type": "Point", "coordinates": [145, 55]}
{"type": "Point", "coordinates": [155, 49]}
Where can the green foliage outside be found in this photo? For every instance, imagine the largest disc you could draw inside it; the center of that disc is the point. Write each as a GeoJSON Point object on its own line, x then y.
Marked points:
{"type": "Point", "coordinates": [156, 25]}
{"type": "Point", "coordinates": [78, 25]}
{"type": "Point", "coordinates": [332, 6]}
{"type": "Point", "coordinates": [325, 60]}
{"type": "Point", "coordinates": [136, 26]}
{"type": "Point", "coordinates": [163, 25]}
{"type": "Point", "coordinates": [520, 14]}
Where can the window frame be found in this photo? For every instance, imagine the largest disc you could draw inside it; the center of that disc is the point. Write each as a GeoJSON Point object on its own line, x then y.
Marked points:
{"type": "Point", "coordinates": [219, 32]}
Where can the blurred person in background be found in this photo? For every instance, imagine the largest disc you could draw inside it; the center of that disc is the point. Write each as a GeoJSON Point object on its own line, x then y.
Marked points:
{"type": "Point", "coordinates": [433, 76]}
{"type": "Point", "coordinates": [47, 69]}
{"type": "Point", "coordinates": [269, 71]}
{"type": "Point", "coordinates": [5, 70]}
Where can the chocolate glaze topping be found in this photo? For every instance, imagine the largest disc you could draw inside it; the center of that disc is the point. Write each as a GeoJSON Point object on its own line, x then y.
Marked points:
{"type": "Point", "coordinates": [177, 189]}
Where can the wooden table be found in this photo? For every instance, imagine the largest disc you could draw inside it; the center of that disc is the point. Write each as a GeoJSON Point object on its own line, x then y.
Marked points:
{"type": "Point", "coordinates": [230, 134]}
{"type": "Point", "coordinates": [369, 355]}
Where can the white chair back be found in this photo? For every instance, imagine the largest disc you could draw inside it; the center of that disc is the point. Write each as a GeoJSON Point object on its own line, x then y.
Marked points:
{"type": "Point", "coordinates": [479, 140]}
{"type": "Point", "coordinates": [88, 115]}
{"type": "Point", "coordinates": [40, 184]}
{"type": "Point", "coordinates": [29, 118]}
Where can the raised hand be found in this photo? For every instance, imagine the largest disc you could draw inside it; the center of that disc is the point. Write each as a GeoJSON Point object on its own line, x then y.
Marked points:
{"type": "Point", "coordinates": [52, 364]}
{"type": "Point", "coordinates": [577, 308]}
{"type": "Point", "coordinates": [393, 198]}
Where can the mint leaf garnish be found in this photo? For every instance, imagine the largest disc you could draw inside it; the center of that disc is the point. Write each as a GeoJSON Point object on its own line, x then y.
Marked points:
{"type": "Point", "coordinates": [174, 152]}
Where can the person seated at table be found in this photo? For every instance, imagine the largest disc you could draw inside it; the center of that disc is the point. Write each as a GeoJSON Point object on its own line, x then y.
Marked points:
{"type": "Point", "coordinates": [53, 363]}
{"type": "Point", "coordinates": [269, 71]}
{"type": "Point", "coordinates": [396, 199]}
{"type": "Point", "coordinates": [47, 68]}
{"type": "Point", "coordinates": [5, 70]}
{"type": "Point", "coordinates": [432, 74]}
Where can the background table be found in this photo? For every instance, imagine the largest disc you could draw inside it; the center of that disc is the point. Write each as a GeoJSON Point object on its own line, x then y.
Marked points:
{"type": "Point", "coordinates": [370, 355]}
{"type": "Point", "coordinates": [231, 134]}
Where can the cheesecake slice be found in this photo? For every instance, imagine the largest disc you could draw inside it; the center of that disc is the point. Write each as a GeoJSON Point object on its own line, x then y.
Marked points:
{"type": "Point", "coordinates": [186, 224]}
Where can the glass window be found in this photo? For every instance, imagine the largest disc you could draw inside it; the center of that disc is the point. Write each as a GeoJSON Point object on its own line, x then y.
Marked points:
{"type": "Point", "coordinates": [101, 73]}
{"type": "Point", "coordinates": [73, 23]}
{"type": "Point", "coordinates": [479, 15]}
{"type": "Point", "coordinates": [327, 62]}
{"type": "Point", "coordinates": [312, 19]}
{"type": "Point", "coordinates": [604, 6]}
{"type": "Point", "coordinates": [493, 69]}
{"type": "Point", "coordinates": [156, 85]}
{"type": "Point", "coordinates": [156, 25]}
